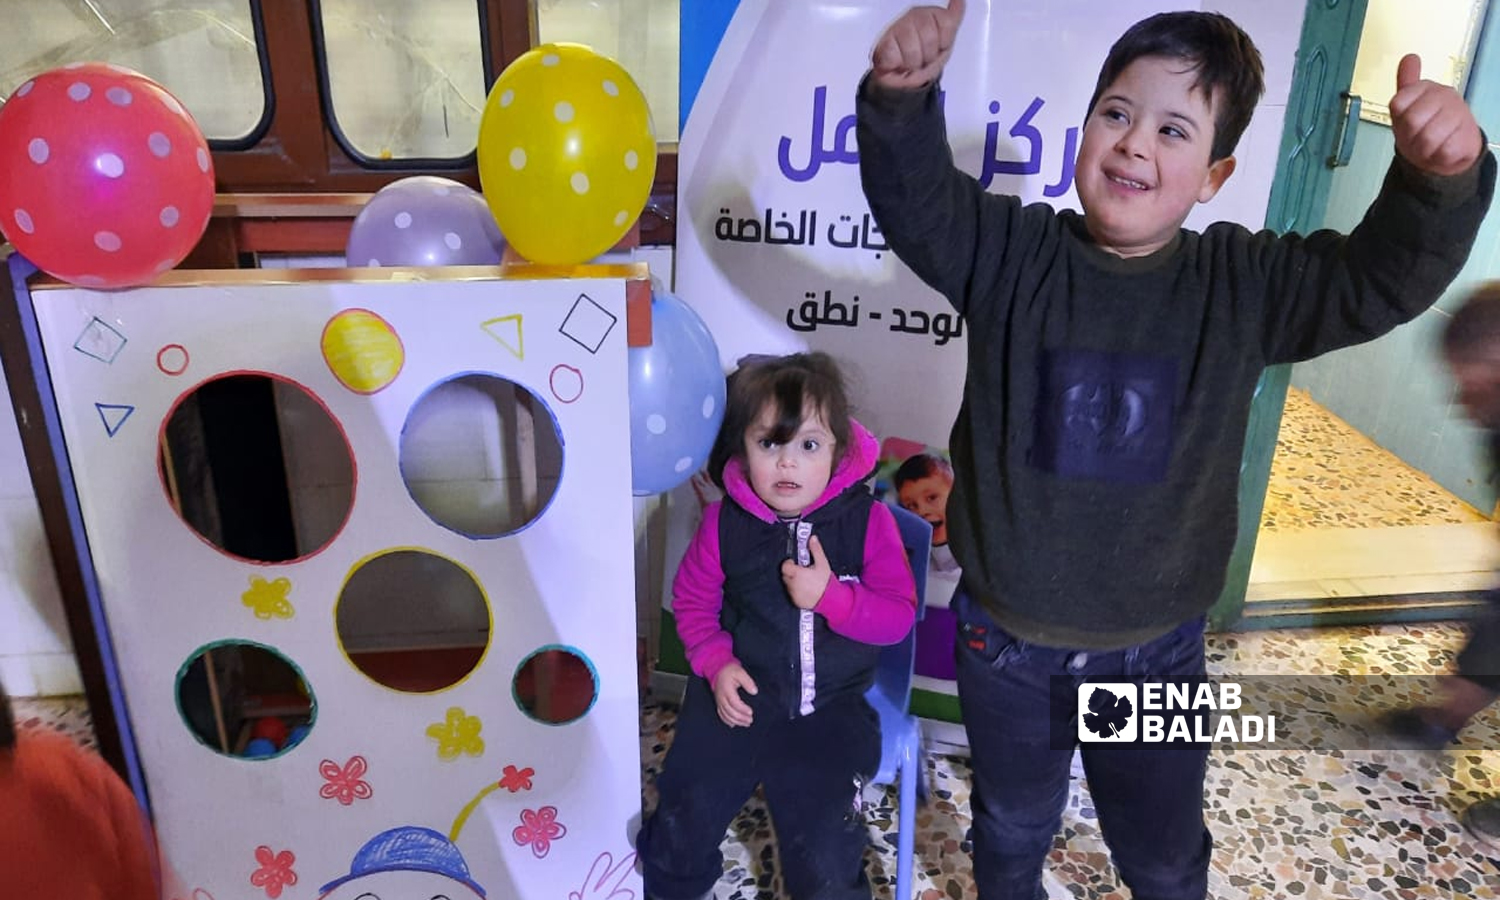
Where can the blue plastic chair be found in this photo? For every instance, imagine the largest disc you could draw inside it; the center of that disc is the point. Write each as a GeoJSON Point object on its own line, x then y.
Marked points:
{"type": "Point", "coordinates": [900, 736]}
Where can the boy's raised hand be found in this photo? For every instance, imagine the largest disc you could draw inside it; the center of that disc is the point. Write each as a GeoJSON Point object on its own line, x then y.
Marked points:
{"type": "Point", "coordinates": [912, 52]}
{"type": "Point", "coordinates": [806, 584]}
{"type": "Point", "coordinates": [1434, 129]}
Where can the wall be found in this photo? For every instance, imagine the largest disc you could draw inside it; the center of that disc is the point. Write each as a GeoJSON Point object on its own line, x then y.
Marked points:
{"type": "Point", "coordinates": [1395, 389]}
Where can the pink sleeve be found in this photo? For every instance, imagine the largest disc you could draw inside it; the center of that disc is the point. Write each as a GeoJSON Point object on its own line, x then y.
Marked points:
{"type": "Point", "coordinates": [881, 607]}
{"type": "Point", "coordinates": [697, 598]}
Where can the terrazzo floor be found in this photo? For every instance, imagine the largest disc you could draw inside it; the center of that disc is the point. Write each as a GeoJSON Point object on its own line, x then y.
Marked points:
{"type": "Point", "coordinates": [1327, 475]}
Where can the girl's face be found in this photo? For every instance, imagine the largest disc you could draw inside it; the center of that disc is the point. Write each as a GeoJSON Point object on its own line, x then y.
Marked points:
{"type": "Point", "coordinates": [790, 476]}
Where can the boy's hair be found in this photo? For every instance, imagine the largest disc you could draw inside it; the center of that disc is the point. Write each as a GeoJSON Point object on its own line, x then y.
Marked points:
{"type": "Point", "coordinates": [1475, 327]}
{"type": "Point", "coordinates": [1227, 65]}
{"type": "Point", "coordinates": [788, 383]}
{"type": "Point", "coordinates": [920, 466]}
{"type": "Point", "coordinates": [7, 721]}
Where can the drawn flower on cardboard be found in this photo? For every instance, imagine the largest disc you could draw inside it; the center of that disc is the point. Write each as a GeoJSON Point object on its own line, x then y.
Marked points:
{"type": "Point", "coordinates": [346, 783]}
{"type": "Point", "coordinates": [457, 735]}
{"type": "Point", "coordinates": [275, 872]}
{"type": "Point", "coordinates": [517, 779]}
{"type": "Point", "coordinates": [269, 598]}
{"type": "Point", "coordinates": [539, 828]}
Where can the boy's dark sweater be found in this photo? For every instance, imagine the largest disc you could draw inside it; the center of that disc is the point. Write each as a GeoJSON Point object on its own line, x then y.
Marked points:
{"type": "Point", "coordinates": [1097, 448]}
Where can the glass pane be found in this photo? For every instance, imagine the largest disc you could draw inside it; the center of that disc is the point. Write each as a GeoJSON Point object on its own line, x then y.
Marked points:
{"type": "Point", "coordinates": [204, 52]}
{"type": "Point", "coordinates": [407, 79]}
{"type": "Point", "coordinates": [640, 35]}
{"type": "Point", "coordinates": [1442, 32]}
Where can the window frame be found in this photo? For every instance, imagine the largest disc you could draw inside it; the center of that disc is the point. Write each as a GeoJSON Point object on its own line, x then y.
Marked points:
{"type": "Point", "coordinates": [298, 149]}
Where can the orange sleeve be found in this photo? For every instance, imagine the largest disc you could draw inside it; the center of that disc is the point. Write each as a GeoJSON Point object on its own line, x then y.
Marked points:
{"type": "Point", "coordinates": [135, 849]}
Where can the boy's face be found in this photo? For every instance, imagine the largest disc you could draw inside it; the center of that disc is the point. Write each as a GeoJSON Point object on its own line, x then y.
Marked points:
{"type": "Point", "coordinates": [1478, 378]}
{"type": "Point", "coordinates": [928, 498]}
{"type": "Point", "coordinates": [1145, 161]}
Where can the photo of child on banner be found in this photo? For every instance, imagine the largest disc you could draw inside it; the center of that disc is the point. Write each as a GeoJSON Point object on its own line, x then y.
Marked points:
{"type": "Point", "coordinates": [918, 478]}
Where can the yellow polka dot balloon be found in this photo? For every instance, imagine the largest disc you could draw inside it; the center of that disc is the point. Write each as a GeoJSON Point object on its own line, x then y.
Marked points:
{"type": "Point", "coordinates": [566, 153]}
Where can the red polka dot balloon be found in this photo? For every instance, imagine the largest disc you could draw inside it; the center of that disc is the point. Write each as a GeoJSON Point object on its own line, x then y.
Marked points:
{"type": "Point", "coordinates": [105, 180]}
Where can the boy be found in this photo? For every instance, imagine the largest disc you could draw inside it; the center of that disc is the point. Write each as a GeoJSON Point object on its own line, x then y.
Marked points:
{"type": "Point", "coordinates": [923, 482]}
{"type": "Point", "coordinates": [1471, 347]}
{"type": "Point", "coordinates": [1112, 360]}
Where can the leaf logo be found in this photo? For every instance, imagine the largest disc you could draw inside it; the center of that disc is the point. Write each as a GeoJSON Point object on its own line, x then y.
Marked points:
{"type": "Point", "coordinates": [1107, 712]}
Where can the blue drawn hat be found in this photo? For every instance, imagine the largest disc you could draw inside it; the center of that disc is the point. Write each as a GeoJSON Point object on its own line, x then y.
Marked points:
{"type": "Point", "coordinates": [408, 849]}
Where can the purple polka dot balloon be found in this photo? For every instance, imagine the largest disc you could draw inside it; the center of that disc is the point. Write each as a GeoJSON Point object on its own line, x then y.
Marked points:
{"type": "Point", "coordinates": [425, 221]}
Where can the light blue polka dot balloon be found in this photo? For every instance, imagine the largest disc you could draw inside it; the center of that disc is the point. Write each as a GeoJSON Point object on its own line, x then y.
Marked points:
{"type": "Point", "coordinates": [676, 397]}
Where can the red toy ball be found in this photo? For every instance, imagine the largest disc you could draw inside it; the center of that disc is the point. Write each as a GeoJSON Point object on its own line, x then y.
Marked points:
{"type": "Point", "coordinates": [105, 180]}
{"type": "Point", "coordinates": [272, 729]}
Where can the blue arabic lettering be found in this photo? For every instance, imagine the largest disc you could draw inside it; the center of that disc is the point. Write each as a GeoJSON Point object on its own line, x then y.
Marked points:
{"type": "Point", "coordinates": [817, 154]}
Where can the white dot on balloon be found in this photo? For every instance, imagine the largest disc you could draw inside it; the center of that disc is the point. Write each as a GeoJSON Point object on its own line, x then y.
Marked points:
{"type": "Point", "coordinates": [403, 220]}
{"type": "Point", "coordinates": [160, 144]}
{"type": "Point", "coordinates": [551, 59]}
{"type": "Point", "coordinates": [169, 216]}
{"type": "Point", "coordinates": [580, 183]}
{"type": "Point", "coordinates": [611, 88]}
{"type": "Point", "coordinates": [656, 423]}
{"type": "Point", "coordinates": [563, 111]}
{"type": "Point", "coordinates": [631, 160]}
{"type": "Point", "coordinates": [372, 262]}
{"type": "Point", "coordinates": [163, 266]}
{"type": "Point", "coordinates": [23, 221]}
{"type": "Point", "coordinates": [25, 89]}
{"type": "Point", "coordinates": [506, 97]}
{"type": "Point", "coordinates": [518, 159]}
{"type": "Point", "coordinates": [38, 150]}
{"type": "Point", "coordinates": [709, 405]}
{"type": "Point", "coordinates": [453, 241]}
{"type": "Point", "coordinates": [110, 165]}
{"type": "Point", "coordinates": [621, 218]}
{"type": "Point", "coordinates": [119, 96]}
{"type": "Point", "coordinates": [107, 241]}
{"type": "Point", "coordinates": [79, 92]}
{"type": "Point", "coordinates": [202, 160]}
{"type": "Point", "coordinates": [684, 464]}
{"type": "Point", "coordinates": [442, 190]}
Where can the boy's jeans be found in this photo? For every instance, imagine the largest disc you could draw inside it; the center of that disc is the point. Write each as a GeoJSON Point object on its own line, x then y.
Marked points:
{"type": "Point", "coordinates": [1019, 704]}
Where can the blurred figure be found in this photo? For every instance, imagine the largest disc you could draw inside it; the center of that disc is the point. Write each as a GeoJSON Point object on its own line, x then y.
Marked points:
{"type": "Point", "coordinates": [1471, 348]}
{"type": "Point", "coordinates": [71, 828]}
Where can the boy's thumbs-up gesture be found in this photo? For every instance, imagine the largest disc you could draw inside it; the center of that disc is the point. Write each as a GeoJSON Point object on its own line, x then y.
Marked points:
{"type": "Point", "coordinates": [1434, 129]}
{"type": "Point", "coordinates": [912, 52]}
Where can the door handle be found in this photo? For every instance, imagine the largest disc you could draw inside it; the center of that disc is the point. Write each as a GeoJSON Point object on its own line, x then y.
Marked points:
{"type": "Point", "coordinates": [1343, 143]}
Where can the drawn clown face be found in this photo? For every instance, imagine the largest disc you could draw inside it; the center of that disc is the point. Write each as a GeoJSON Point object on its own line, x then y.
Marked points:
{"type": "Point", "coordinates": [403, 886]}
{"type": "Point", "coordinates": [406, 863]}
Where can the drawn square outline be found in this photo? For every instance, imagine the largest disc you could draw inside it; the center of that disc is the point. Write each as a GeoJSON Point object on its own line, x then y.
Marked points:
{"type": "Point", "coordinates": [590, 318]}
{"type": "Point", "coordinates": [93, 341]}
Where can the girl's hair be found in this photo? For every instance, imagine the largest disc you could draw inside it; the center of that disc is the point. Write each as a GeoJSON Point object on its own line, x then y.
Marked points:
{"type": "Point", "coordinates": [7, 722]}
{"type": "Point", "coordinates": [1475, 327]}
{"type": "Point", "coordinates": [796, 387]}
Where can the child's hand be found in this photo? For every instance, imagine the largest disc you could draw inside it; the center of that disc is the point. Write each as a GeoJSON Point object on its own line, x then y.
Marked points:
{"type": "Point", "coordinates": [806, 584]}
{"type": "Point", "coordinates": [912, 52]}
{"type": "Point", "coordinates": [727, 686]}
{"type": "Point", "coordinates": [1435, 130]}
